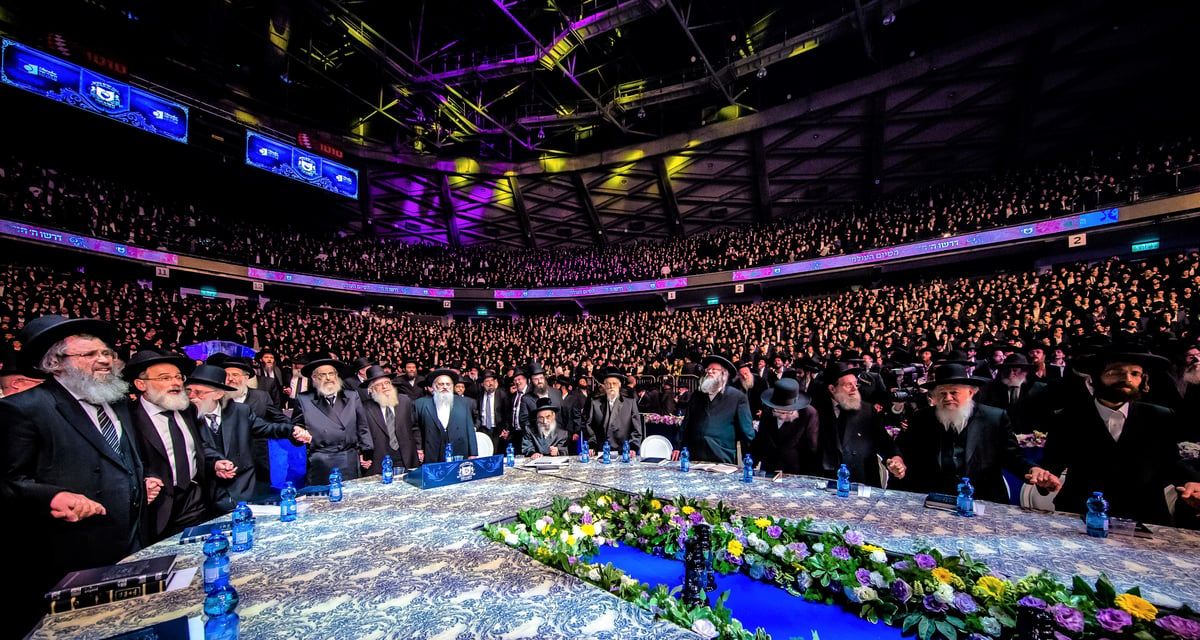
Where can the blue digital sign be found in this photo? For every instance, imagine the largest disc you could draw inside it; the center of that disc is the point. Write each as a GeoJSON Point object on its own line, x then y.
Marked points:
{"type": "Point", "coordinates": [74, 85]}
{"type": "Point", "coordinates": [300, 164]}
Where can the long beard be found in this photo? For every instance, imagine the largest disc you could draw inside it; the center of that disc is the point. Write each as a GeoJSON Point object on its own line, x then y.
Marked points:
{"type": "Point", "coordinates": [329, 387]}
{"type": "Point", "coordinates": [443, 399]}
{"type": "Point", "coordinates": [848, 402]}
{"type": "Point", "coordinates": [712, 385]}
{"type": "Point", "coordinates": [252, 383]}
{"type": "Point", "coordinates": [1191, 375]}
{"type": "Point", "coordinates": [1014, 380]}
{"type": "Point", "coordinates": [955, 418]}
{"type": "Point", "coordinates": [167, 400]}
{"type": "Point", "coordinates": [612, 394]}
{"type": "Point", "coordinates": [547, 429]}
{"type": "Point", "coordinates": [386, 399]}
{"type": "Point", "coordinates": [107, 388]}
{"type": "Point", "coordinates": [540, 389]}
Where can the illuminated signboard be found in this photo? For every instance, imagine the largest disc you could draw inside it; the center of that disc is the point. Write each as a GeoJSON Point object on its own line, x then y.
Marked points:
{"type": "Point", "coordinates": [597, 290]}
{"type": "Point", "coordinates": [85, 243]}
{"type": "Point", "coordinates": [74, 85]}
{"type": "Point", "coordinates": [301, 165]}
{"type": "Point", "coordinates": [1145, 246]}
{"type": "Point", "coordinates": [346, 285]}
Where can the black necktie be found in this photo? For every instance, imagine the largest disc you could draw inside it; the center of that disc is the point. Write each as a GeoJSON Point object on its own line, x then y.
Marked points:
{"type": "Point", "coordinates": [183, 467]}
{"type": "Point", "coordinates": [107, 429]}
{"type": "Point", "coordinates": [389, 420]}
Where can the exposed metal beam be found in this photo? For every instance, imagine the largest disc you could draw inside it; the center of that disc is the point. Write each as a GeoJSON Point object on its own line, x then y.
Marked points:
{"type": "Point", "coordinates": [712, 73]}
{"type": "Point", "coordinates": [763, 211]}
{"type": "Point", "coordinates": [589, 209]}
{"type": "Point", "coordinates": [448, 213]}
{"type": "Point", "coordinates": [667, 192]}
{"type": "Point", "coordinates": [514, 186]}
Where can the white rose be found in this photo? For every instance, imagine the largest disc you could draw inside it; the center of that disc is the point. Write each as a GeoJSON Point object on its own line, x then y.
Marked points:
{"type": "Point", "coordinates": [779, 550]}
{"type": "Point", "coordinates": [865, 594]}
{"type": "Point", "coordinates": [562, 537]}
{"type": "Point", "coordinates": [704, 628]}
{"type": "Point", "coordinates": [944, 593]}
{"type": "Point", "coordinates": [753, 539]}
{"type": "Point", "coordinates": [599, 540]}
{"type": "Point", "coordinates": [878, 556]}
{"type": "Point", "coordinates": [511, 540]}
{"type": "Point", "coordinates": [818, 547]}
{"type": "Point", "coordinates": [877, 580]}
{"type": "Point", "coordinates": [594, 574]}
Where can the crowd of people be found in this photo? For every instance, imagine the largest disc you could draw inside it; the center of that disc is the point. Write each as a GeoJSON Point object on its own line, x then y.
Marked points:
{"type": "Point", "coordinates": [112, 210]}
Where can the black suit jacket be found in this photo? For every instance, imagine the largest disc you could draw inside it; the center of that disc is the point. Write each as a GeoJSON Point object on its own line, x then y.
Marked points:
{"type": "Point", "coordinates": [238, 429]}
{"type": "Point", "coordinates": [339, 435]}
{"type": "Point", "coordinates": [712, 428]}
{"type": "Point", "coordinates": [501, 412]}
{"type": "Point", "coordinates": [408, 435]}
{"type": "Point", "coordinates": [157, 462]}
{"type": "Point", "coordinates": [460, 431]}
{"type": "Point", "coordinates": [535, 443]}
{"type": "Point", "coordinates": [1028, 413]}
{"type": "Point", "coordinates": [793, 447]}
{"type": "Point", "coordinates": [49, 445]}
{"type": "Point", "coordinates": [854, 438]}
{"type": "Point", "coordinates": [272, 388]}
{"type": "Point", "coordinates": [625, 424]}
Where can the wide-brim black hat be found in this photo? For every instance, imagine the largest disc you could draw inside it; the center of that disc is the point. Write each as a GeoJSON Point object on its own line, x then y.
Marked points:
{"type": "Point", "coordinates": [313, 365]}
{"type": "Point", "coordinates": [546, 404]}
{"type": "Point", "coordinates": [785, 395]}
{"type": "Point", "coordinates": [375, 372]}
{"type": "Point", "coordinates": [147, 358]}
{"type": "Point", "coordinates": [534, 369]}
{"type": "Point", "coordinates": [232, 362]}
{"type": "Point", "coordinates": [724, 362]}
{"type": "Point", "coordinates": [360, 363]}
{"type": "Point", "coordinates": [437, 373]}
{"type": "Point", "coordinates": [1095, 363]}
{"type": "Point", "coordinates": [955, 356]}
{"type": "Point", "coordinates": [39, 334]}
{"type": "Point", "coordinates": [1017, 361]}
{"type": "Point", "coordinates": [954, 373]}
{"type": "Point", "coordinates": [605, 374]}
{"type": "Point", "coordinates": [10, 367]}
{"type": "Point", "coordinates": [488, 373]}
{"type": "Point", "coordinates": [265, 351]}
{"type": "Point", "coordinates": [806, 363]}
{"type": "Point", "coordinates": [837, 369]}
{"type": "Point", "coordinates": [208, 375]}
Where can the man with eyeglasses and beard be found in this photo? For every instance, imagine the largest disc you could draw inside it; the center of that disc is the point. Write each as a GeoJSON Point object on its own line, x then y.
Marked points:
{"type": "Point", "coordinates": [852, 432]}
{"type": "Point", "coordinates": [1118, 445]}
{"type": "Point", "coordinates": [393, 422]}
{"type": "Point", "coordinates": [70, 473]}
{"type": "Point", "coordinates": [718, 416]}
{"type": "Point", "coordinates": [341, 438]}
{"type": "Point", "coordinates": [445, 418]}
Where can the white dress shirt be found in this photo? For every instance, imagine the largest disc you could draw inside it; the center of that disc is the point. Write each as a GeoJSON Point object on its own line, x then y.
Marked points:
{"type": "Point", "coordinates": [90, 410]}
{"type": "Point", "coordinates": [1114, 419]}
{"type": "Point", "coordinates": [164, 433]}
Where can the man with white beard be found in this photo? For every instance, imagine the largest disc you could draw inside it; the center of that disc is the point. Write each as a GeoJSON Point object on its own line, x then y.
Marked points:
{"type": "Point", "coordinates": [613, 418]}
{"type": "Point", "coordinates": [958, 437]}
{"type": "Point", "coordinates": [547, 438]}
{"type": "Point", "coordinates": [851, 431]}
{"type": "Point", "coordinates": [1181, 391]}
{"type": "Point", "coordinates": [337, 421]}
{"type": "Point", "coordinates": [393, 423]}
{"type": "Point", "coordinates": [70, 474]}
{"type": "Point", "coordinates": [445, 418]}
{"type": "Point", "coordinates": [1021, 396]}
{"type": "Point", "coordinates": [718, 416]}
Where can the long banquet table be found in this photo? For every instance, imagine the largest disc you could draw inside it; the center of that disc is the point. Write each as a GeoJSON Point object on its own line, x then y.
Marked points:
{"type": "Point", "coordinates": [397, 562]}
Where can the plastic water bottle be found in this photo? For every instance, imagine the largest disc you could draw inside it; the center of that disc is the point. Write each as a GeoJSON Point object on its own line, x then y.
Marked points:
{"type": "Point", "coordinates": [449, 453]}
{"type": "Point", "coordinates": [335, 486]}
{"type": "Point", "coordinates": [243, 528]}
{"type": "Point", "coordinates": [748, 469]}
{"type": "Point", "coordinates": [219, 605]}
{"type": "Point", "coordinates": [606, 456]}
{"type": "Point", "coordinates": [584, 456]}
{"type": "Point", "coordinates": [510, 457]}
{"type": "Point", "coordinates": [966, 499]}
{"type": "Point", "coordinates": [216, 563]}
{"type": "Point", "coordinates": [287, 503]}
{"type": "Point", "coordinates": [388, 471]}
{"type": "Point", "coordinates": [843, 483]}
{"type": "Point", "coordinates": [685, 460]}
{"type": "Point", "coordinates": [625, 452]}
{"type": "Point", "coordinates": [1097, 516]}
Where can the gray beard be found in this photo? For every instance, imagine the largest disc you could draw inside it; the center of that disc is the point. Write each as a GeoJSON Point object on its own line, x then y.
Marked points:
{"type": "Point", "coordinates": [443, 399]}
{"type": "Point", "coordinates": [849, 403]}
{"type": "Point", "coordinates": [955, 418]}
{"type": "Point", "coordinates": [89, 389]}
{"type": "Point", "coordinates": [712, 385]}
{"type": "Point", "coordinates": [547, 431]}
{"type": "Point", "coordinates": [168, 401]}
{"type": "Point", "coordinates": [240, 391]}
{"type": "Point", "coordinates": [387, 399]}
{"type": "Point", "coordinates": [330, 388]}
{"type": "Point", "coordinates": [1191, 375]}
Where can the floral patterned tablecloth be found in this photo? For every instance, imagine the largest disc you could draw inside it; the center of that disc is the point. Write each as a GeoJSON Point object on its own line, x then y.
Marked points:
{"type": "Point", "coordinates": [396, 562]}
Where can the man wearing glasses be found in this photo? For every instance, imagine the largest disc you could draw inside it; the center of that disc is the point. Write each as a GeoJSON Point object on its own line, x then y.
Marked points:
{"type": "Point", "coordinates": [341, 437]}
{"type": "Point", "coordinates": [70, 476]}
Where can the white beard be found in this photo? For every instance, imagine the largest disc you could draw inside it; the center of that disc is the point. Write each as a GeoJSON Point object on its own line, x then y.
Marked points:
{"type": "Point", "coordinates": [240, 391]}
{"type": "Point", "coordinates": [712, 385]}
{"type": "Point", "coordinates": [848, 402]}
{"type": "Point", "coordinates": [110, 388]}
{"type": "Point", "coordinates": [1191, 375]}
{"type": "Point", "coordinates": [168, 401]}
{"type": "Point", "coordinates": [328, 388]}
{"type": "Point", "coordinates": [955, 418]}
{"type": "Point", "coordinates": [443, 399]}
{"type": "Point", "coordinates": [386, 399]}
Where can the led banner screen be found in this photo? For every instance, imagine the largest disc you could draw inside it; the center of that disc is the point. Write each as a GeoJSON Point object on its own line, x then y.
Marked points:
{"type": "Point", "coordinates": [72, 84]}
{"type": "Point", "coordinates": [300, 165]}
{"type": "Point", "coordinates": [597, 290]}
{"type": "Point", "coordinates": [938, 245]}
{"type": "Point", "coordinates": [85, 243]}
{"type": "Point", "coordinates": [346, 285]}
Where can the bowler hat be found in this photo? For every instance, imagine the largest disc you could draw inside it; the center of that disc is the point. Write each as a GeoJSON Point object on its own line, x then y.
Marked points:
{"type": "Point", "coordinates": [147, 358]}
{"type": "Point", "coordinates": [785, 395]}
{"type": "Point", "coordinates": [39, 334]}
{"type": "Point", "coordinates": [209, 375]}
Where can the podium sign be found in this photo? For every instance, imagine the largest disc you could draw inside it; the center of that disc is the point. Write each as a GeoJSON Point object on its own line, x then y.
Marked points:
{"type": "Point", "coordinates": [442, 474]}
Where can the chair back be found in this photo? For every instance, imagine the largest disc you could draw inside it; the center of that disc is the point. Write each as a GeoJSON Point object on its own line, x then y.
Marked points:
{"type": "Point", "coordinates": [655, 447]}
{"type": "Point", "coordinates": [484, 442]}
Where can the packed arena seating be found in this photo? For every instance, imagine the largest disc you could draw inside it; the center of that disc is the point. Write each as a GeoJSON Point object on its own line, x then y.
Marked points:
{"type": "Point", "coordinates": [101, 207]}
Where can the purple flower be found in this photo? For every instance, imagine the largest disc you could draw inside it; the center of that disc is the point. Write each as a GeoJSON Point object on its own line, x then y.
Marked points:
{"type": "Point", "coordinates": [770, 574]}
{"type": "Point", "coordinates": [662, 530]}
{"type": "Point", "coordinates": [799, 548]}
{"type": "Point", "coordinates": [965, 603]}
{"type": "Point", "coordinates": [925, 561]}
{"type": "Point", "coordinates": [696, 517]}
{"type": "Point", "coordinates": [677, 521]}
{"type": "Point", "coordinates": [901, 590]}
{"type": "Point", "coordinates": [616, 506]}
{"type": "Point", "coordinates": [737, 531]}
{"type": "Point", "coordinates": [854, 538]}
{"type": "Point", "coordinates": [1031, 602]}
{"type": "Point", "coordinates": [642, 540]}
{"type": "Point", "coordinates": [1113, 619]}
{"type": "Point", "coordinates": [774, 531]}
{"type": "Point", "coordinates": [587, 517]}
{"type": "Point", "coordinates": [1068, 617]}
{"type": "Point", "coordinates": [863, 576]}
{"type": "Point", "coordinates": [901, 565]}
{"type": "Point", "coordinates": [1185, 628]}
{"type": "Point", "coordinates": [978, 636]}
{"type": "Point", "coordinates": [572, 559]}
{"type": "Point", "coordinates": [935, 605]}
{"type": "Point", "coordinates": [670, 509]}
{"type": "Point", "coordinates": [841, 553]}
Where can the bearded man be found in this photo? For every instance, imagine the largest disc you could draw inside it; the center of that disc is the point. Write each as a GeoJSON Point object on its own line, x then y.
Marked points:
{"type": "Point", "coordinates": [1181, 390]}
{"type": "Point", "coordinates": [70, 474]}
{"type": "Point", "coordinates": [718, 416]}
{"type": "Point", "coordinates": [750, 384]}
{"type": "Point", "coordinates": [547, 438]}
{"type": "Point", "coordinates": [445, 418]}
{"type": "Point", "coordinates": [851, 431]}
{"type": "Point", "coordinates": [1118, 445]}
{"type": "Point", "coordinates": [958, 437]}
{"type": "Point", "coordinates": [337, 421]}
{"type": "Point", "coordinates": [1020, 395]}
{"type": "Point", "coordinates": [613, 418]}
{"type": "Point", "coordinates": [393, 422]}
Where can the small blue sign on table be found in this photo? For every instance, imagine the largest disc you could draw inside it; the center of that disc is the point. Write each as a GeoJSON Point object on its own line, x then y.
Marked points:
{"type": "Point", "coordinates": [441, 474]}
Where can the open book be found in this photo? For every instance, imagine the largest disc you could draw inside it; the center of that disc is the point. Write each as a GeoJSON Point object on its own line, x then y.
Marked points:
{"type": "Point", "coordinates": [714, 467]}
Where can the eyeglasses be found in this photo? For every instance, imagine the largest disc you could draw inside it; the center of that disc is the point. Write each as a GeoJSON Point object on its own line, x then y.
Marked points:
{"type": "Point", "coordinates": [325, 376]}
{"type": "Point", "coordinates": [166, 378]}
{"type": "Point", "coordinates": [544, 420]}
{"type": "Point", "coordinates": [193, 391]}
{"type": "Point", "coordinates": [92, 355]}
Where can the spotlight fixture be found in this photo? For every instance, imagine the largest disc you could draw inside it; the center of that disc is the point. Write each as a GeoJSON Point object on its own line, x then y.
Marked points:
{"type": "Point", "coordinates": [762, 73]}
{"type": "Point", "coordinates": [541, 134]}
{"type": "Point", "coordinates": [889, 19]}
{"type": "Point", "coordinates": [641, 114]}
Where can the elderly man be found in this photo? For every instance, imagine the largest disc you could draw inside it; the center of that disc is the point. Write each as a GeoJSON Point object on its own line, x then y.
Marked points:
{"type": "Point", "coordinates": [547, 438]}
{"type": "Point", "coordinates": [852, 432]}
{"type": "Point", "coordinates": [612, 417]}
{"type": "Point", "coordinates": [958, 437]}
{"type": "Point", "coordinates": [750, 384]}
{"type": "Point", "coordinates": [70, 474]}
{"type": "Point", "coordinates": [718, 416]}
{"type": "Point", "coordinates": [1021, 396]}
{"type": "Point", "coordinates": [337, 421]}
{"type": "Point", "coordinates": [788, 434]}
{"type": "Point", "coordinates": [356, 373]}
{"type": "Point", "coordinates": [445, 418]}
{"type": "Point", "coordinates": [169, 442]}
{"type": "Point", "coordinates": [238, 374]}
{"type": "Point", "coordinates": [393, 423]}
{"type": "Point", "coordinates": [227, 429]}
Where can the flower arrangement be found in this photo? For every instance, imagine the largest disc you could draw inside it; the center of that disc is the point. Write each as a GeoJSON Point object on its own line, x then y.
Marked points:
{"type": "Point", "coordinates": [1035, 440]}
{"type": "Point", "coordinates": [926, 594]}
{"type": "Point", "coordinates": [659, 418]}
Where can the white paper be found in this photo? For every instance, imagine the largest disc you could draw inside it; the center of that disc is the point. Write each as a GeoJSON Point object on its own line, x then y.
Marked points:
{"type": "Point", "coordinates": [195, 628]}
{"type": "Point", "coordinates": [181, 578]}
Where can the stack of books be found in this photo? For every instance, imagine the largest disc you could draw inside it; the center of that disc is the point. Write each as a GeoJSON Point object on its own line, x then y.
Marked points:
{"type": "Point", "coordinates": [102, 585]}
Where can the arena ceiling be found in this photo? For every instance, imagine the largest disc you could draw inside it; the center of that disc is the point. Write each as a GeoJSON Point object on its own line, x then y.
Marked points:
{"type": "Point", "coordinates": [546, 123]}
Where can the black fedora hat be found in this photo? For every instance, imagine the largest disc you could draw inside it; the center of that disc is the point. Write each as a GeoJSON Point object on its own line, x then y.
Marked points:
{"type": "Point", "coordinates": [605, 374]}
{"type": "Point", "coordinates": [437, 373]}
{"type": "Point", "coordinates": [534, 369]}
{"type": "Point", "coordinates": [716, 359]}
{"type": "Point", "coordinates": [375, 372]}
{"type": "Point", "coordinates": [1017, 361]}
{"type": "Point", "coordinates": [360, 363]}
{"type": "Point", "coordinates": [266, 351]}
{"type": "Point", "coordinates": [955, 356]}
{"type": "Point", "coordinates": [546, 404]}
{"type": "Point", "coordinates": [208, 375]}
{"type": "Point", "coordinates": [806, 363]}
{"type": "Point", "coordinates": [954, 373]}
{"type": "Point", "coordinates": [1127, 353]}
{"type": "Point", "coordinates": [39, 334]}
{"type": "Point", "coordinates": [488, 373]}
{"type": "Point", "coordinates": [785, 395]}
{"type": "Point", "coordinates": [320, 360]}
{"type": "Point", "coordinates": [837, 369]}
{"type": "Point", "coordinates": [147, 358]}
{"type": "Point", "coordinates": [246, 365]}
{"type": "Point", "coordinates": [9, 367]}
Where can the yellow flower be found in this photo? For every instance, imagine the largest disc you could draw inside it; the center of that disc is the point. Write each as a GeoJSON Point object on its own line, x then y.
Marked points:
{"type": "Point", "coordinates": [734, 548]}
{"type": "Point", "coordinates": [870, 548]}
{"type": "Point", "coordinates": [655, 504]}
{"type": "Point", "coordinates": [1136, 607]}
{"type": "Point", "coordinates": [762, 523]}
{"type": "Point", "coordinates": [688, 510]}
{"type": "Point", "coordinates": [991, 587]}
{"type": "Point", "coordinates": [570, 539]}
{"type": "Point", "coordinates": [600, 502]}
{"type": "Point", "coordinates": [589, 529]}
{"type": "Point", "coordinates": [943, 575]}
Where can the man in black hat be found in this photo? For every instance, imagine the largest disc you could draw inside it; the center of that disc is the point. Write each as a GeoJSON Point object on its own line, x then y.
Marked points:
{"type": "Point", "coordinates": [519, 412]}
{"type": "Point", "coordinates": [169, 443]}
{"type": "Point", "coordinates": [446, 418]}
{"type": "Point", "coordinates": [574, 406]}
{"type": "Point", "coordinates": [1116, 444]}
{"type": "Point", "coordinates": [70, 473]}
{"type": "Point", "coordinates": [268, 368]}
{"type": "Point", "coordinates": [788, 434]}
{"type": "Point", "coordinates": [337, 421]}
{"type": "Point", "coordinates": [612, 417]}
{"type": "Point", "coordinates": [14, 380]}
{"type": "Point", "coordinates": [750, 384]}
{"type": "Point", "coordinates": [1181, 390]}
{"type": "Point", "coordinates": [1019, 395]}
{"type": "Point", "coordinates": [393, 422]}
{"type": "Point", "coordinates": [356, 373]}
{"type": "Point", "coordinates": [493, 409]}
{"type": "Point", "coordinates": [547, 438]}
{"type": "Point", "coordinates": [227, 429]}
{"type": "Point", "coordinates": [407, 382]}
{"type": "Point", "coordinates": [238, 374]}
{"type": "Point", "coordinates": [993, 356]}
{"type": "Point", "coordinates": [718, 416]}
{"type": "Point", "coordinates": [958, 437]}
{"type": "Point", "coordinates": [851, 431]}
